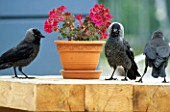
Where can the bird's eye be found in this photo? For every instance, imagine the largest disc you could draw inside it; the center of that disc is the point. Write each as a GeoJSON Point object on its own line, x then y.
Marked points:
{"type": "Point", "coordinates": [114, 30]}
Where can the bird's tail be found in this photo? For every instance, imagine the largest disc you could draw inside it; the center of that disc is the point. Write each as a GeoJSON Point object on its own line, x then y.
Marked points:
{"type": "Point", "coordinates": [4, 65]}
{"type": "Point", "coordinates": [133, 72]}
{"type": "Point", "coordinates": [156, 72]}
{"type": "Point", "coordinates": [159, 66]}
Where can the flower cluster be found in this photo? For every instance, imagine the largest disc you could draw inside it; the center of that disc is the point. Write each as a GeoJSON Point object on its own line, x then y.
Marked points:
{"type": "Point", "coordinates": [93, 27]}
{"type": "Point", "coordinates": [100, 17]}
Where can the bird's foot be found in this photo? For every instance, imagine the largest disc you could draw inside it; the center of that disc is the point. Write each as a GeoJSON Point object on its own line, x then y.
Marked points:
{"type": "Point", "coordinates": [140, 80]}
{"type": "Point", "coordinates": [111, 78]}
{"type": "Point", "coordinates": [23, 77]}
{"type": "Point", "coordinates": [16, 77]}
{"type": "Point", "coordinates": [30, 77]}
{"type": "Point", "coordinates": [125, 79]}
{"type": "Point", "coordinates": [164, 81]}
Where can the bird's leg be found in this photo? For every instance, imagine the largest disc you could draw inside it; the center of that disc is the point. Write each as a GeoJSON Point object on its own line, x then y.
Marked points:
{"type": "Point", "coordinates": [126, 71]}
{"type": "Point", "coordinates": [164, 81]}
{"type": "Point", "coordinates": [26, 77]}
{"type": "Point", "coordinates": [140, 80]}
{"type": "Point", "coordinates": [111, 78]}
{"type": "Point", "coordinates": [15, 72]}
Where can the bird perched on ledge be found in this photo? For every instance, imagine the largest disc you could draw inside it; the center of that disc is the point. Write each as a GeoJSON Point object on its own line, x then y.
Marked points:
{"type": "Point", "coordinates": [119, 52]}
{"type": "Point", "coordinates": [157, 53]}
{"type": "Point", "coordinates": [23, 54]}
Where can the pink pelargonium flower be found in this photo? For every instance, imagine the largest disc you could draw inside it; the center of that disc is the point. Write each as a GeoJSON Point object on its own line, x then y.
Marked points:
{"type": "Point", "coordinates": [106, 10]}
{"type": "Point", "coordinates": [91, 11]}
{"type": "Point", "coordinates": [108, 16]}
{"type": "Point", "coordinates": [79, 18]}
{"type": "Point", "coordinates": [96, 8]}
{"type": "Point", "coordinates": [97, 20]}
{"type": "Point", "coordinates": [101, 6]}
{"type": "Point", "coordinates": [91, 15]}
{"type": "Point", "coordinates": [61, 18]}
{"type": "Point", "coordinates": [47, 26]}
{"type": "Point", "coordinates": [54, 23]}
{"type": "Point", "coordinates": [52, 14]}
{"type": "Point", "coordinates": [99, 23]}
{"type": "Point", "coordinates": [61, 9]}
{"type": "Point", "coordinates": [107, 24]}
{"type": "Point", "coordinates": [104, 35]}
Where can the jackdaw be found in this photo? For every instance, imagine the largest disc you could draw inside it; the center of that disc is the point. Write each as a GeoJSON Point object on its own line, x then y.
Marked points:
{"type": "Point", "coordinates": [157, 53]}
{"type": "Point", "coordinates": [119, 52]}
{"type": "Point", "coordinates": [23, 54]}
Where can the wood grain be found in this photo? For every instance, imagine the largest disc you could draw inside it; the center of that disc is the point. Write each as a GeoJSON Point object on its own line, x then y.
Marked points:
{"type": "Point", "coordinates": [17, 95]}
{"type": "Point", "coordinates": [60, 97]}
{"type": "Point", "coordinates": [109, 97]}
{"type": "Point", "coordinates": [151, 98]}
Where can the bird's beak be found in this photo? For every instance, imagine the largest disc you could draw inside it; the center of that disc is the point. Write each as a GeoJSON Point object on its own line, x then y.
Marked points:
{"type": "Point", "coordinates": [41, 36]}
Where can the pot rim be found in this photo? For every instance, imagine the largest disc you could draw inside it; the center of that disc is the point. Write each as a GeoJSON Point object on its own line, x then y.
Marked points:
{"type": "Point", "coordinates": [79, 42]}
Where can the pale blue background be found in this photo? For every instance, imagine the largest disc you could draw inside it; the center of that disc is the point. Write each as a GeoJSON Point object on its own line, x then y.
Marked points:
{"type": "Point", "coordinates": [12, 30]}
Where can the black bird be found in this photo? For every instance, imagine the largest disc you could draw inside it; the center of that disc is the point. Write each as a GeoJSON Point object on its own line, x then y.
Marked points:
{"type": "Point", "coordinates": [23, 54]}
{"type": "Point", "coordinates": [157, 53]}
{"type": "Point", "coordinates": [119, 52]}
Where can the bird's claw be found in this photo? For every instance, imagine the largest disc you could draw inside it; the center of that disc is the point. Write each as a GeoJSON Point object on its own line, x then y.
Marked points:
{"type": "Point", "coordinates": [111, 78]}
{"type": "Point", "coordinates": [140, 80]}
{"type": "Point", "coordinates": [23, 77]}
{"type": "Point", "coordinates": [165, 81]}
{"type": "Point", "coordinates": [30, 77]}
{"type": "Point", "coordinates": [125, 79]}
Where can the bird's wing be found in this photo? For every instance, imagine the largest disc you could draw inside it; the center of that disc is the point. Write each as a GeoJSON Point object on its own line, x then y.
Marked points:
{"type": "Point", "coordinates": [163, 51]}
{"type": "Point", "coordinates": [107, 49]}
{"type": "Point", "coordinates": [20, 52]}
{"type": "Point", "coordinates": [129, 50]}
{"type": "Point", "coordinates": [150, 51]}
{"type": "Point", "coordinates": [132, 73]}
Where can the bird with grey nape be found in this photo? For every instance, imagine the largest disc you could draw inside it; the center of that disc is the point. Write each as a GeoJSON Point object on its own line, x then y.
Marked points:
{"type": "Point", "coordinates": [23, 54]}
{"type": "Point", "coordinates": [119, 52]}
{"type": "Point", "coordinates": [157, 52]}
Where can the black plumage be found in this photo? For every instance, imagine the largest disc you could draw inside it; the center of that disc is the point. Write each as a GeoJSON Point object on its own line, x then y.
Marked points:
{"type": "Point", "coordinates": [23, 54]}
{"type": "Point", "coordinates": [157, 52]}
{"type": "Point", "coordinates": [119, 52]}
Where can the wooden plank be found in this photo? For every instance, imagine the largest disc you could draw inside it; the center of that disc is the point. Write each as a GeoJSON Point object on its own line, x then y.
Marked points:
{"type": "Point", "coordinates": [17, 95]}
{"type": "Point", "coordinates": [110, 97]}
{"type": "Point", "coordinates": [57, 94]}
{"type": "Point", "coordinates": [60, 97]}
{"type": "Point", "coordinates": [151, 98]}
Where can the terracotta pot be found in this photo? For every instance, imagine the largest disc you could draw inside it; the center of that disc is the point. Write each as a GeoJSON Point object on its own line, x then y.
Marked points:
{"type": "Point", "coordinates": [79, 55]}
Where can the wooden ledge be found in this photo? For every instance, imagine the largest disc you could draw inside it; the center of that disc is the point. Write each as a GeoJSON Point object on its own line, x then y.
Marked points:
{"type": "Point", "coordinates": [53, 93]}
